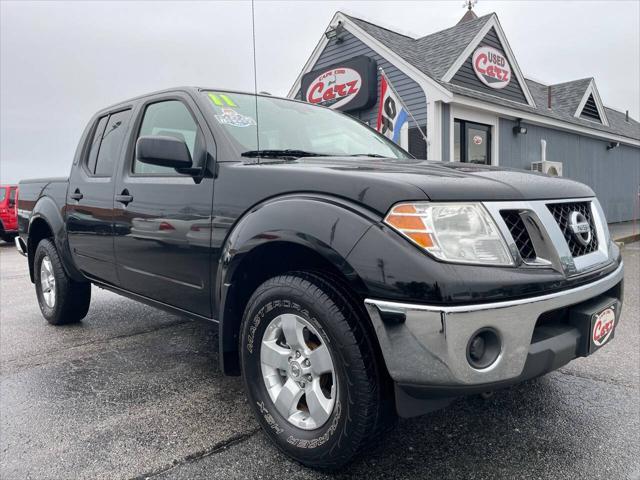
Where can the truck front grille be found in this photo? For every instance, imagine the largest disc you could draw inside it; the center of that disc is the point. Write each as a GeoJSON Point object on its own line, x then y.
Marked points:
{"type": "Point", "coordinates": [520, 235]}
{"type": "Point", "coordinates": [561, 213]}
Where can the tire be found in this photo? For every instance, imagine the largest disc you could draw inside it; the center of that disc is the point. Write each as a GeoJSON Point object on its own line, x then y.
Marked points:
{"type": "Point", "coordinates": [355, 387]}
{"type": "Point", "coordinates": [8, 237]}
{"type": "Point", "coordinates": [68, 301]}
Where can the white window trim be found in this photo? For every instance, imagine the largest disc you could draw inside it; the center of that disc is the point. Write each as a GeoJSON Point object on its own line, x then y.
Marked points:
{"type": "Point", "coordinates": [493, 22]}
{"type": "Point", "coordinates": [591, 89]}
{"type": "Point", "coordinates": [404, 136]}
{"type": "Point", "coordinates": [485, 117]}
{"type": "Point", "coordinates": [434, 130]}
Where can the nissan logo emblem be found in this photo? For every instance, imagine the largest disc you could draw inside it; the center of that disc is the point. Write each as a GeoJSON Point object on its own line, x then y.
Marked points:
{"type": "Point", "coordinates": [580, 227]}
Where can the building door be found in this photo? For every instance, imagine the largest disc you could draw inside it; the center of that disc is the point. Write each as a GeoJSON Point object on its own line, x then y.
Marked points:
{"type": "Point", "coordinates": [471, 142]}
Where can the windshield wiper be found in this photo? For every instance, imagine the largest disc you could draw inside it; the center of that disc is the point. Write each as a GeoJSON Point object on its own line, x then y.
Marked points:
{"type": "Point", "coordinates": [281, 154]}
{"type": "Point", "coordinates": [373, 155]}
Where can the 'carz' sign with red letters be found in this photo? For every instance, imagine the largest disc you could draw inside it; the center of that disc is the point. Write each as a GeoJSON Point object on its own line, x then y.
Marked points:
{"type": "Point", "coordinates": [334, 88]}
{"type": "Point", "coordinates": [348, 85]}
{"type": "Point", "coordinates": [491, 67]}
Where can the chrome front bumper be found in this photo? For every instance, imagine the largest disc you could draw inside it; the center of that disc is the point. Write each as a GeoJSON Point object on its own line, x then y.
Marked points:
{"type": "Point", "coordinates": [430, 346]}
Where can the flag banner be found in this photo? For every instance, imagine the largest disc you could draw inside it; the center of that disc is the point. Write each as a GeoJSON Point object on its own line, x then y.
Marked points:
{"type": "Point", "coordinates": [392, 114]}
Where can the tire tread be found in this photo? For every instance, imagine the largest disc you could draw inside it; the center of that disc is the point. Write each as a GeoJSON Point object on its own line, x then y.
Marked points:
{"type": "Point", "coordinates": [369, 420]}
{"type": "Point", "coordinates": [72, 298]}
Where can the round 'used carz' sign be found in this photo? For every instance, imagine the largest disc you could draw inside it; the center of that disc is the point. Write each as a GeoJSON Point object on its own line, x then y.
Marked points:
{"type": "Point", "coordinates": [334, 88]}
{"type": "Point", "coordinates": [491, 67]}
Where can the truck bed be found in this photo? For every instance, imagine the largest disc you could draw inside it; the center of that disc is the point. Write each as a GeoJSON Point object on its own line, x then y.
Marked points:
{"type": "Point", "coordinates": [33, 189]}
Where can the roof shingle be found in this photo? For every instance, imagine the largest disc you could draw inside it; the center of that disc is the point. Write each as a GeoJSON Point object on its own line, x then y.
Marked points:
{"type": "Point", "coordinates": [435, 53]}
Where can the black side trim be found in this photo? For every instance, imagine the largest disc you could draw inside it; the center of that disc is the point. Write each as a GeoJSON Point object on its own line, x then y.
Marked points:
{"type": "Point", "coordinates": [150, 302]}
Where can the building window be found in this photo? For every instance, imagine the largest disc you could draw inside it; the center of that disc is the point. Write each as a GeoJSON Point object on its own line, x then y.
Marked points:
{"type": "Point", "coordinates": [417, 145]}
{"type": "Point", "coordinates": [471, 142]}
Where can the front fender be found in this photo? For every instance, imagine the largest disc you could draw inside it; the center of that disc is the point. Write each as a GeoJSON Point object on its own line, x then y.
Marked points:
{"type": "Point", "coordinates": [304, 231]}
{"type": "Point", "coordinates": [328, 226]}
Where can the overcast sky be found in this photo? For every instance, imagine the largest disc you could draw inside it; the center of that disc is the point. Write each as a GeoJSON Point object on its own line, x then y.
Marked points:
{"type": "Point", "coordinates": [62, 61]}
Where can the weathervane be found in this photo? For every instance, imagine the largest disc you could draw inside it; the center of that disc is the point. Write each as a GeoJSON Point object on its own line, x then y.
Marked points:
{"type": "Point", "coordinates": [469, 4]}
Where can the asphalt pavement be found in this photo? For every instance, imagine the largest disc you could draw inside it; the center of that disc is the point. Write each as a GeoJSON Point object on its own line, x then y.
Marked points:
{"type": "Point", "coordinates": [133, 392]}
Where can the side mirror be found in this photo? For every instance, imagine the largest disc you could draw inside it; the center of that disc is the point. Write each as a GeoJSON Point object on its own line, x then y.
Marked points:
{"type": "Point", "coordinates": [163, 151]}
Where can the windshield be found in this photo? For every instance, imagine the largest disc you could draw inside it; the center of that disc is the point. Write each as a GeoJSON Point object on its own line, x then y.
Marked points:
{"type": "Point", "coordinates": [289, 125]}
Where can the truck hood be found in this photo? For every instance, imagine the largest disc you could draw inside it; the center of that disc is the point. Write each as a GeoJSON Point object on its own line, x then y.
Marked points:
{"type": "Point", "coordinates": [378, 183]}
{"type": "Point", "coordinates": [447, 181]}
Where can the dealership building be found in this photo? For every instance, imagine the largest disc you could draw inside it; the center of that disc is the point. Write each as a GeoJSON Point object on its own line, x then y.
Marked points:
{"type": "Point", "coordinates": [467, 95]}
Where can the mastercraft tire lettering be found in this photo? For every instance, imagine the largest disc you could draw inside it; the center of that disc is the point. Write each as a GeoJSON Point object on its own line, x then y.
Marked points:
{"type": "Point", "coordinates": [301, 339]}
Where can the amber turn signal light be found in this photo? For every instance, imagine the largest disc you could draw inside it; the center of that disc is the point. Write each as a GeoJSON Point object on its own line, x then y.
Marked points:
{"type": "Point", "coordinates": [406, 220]}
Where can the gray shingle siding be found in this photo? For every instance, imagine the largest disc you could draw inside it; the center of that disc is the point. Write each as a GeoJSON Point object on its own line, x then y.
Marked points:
{"type": "Point", "coordinates": [411, 93]}
{"type": "Point", "coordinates": [614, 175]}
{"type": "Point", "coordinates": [466, 77]}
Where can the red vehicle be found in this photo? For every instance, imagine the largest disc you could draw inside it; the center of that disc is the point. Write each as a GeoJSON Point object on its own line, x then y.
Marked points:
{"type": "Point", "coordinates": [8, 212]}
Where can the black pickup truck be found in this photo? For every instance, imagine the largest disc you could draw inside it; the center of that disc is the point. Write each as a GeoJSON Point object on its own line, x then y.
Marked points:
{"type": "Point", "coordinates": [350, 281]}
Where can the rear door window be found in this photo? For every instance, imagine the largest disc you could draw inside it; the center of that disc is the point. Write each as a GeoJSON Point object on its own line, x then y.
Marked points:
{"type": "Point", "coordinates": [95, 144]}
{"type": "Point", "coordinates": [111, 144]}
{"type": "Point", "coordinates": [12, 196]}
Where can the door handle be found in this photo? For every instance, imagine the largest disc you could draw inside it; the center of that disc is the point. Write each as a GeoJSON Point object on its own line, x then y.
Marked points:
{"type": "Point", "coordinates": [124, 197]}
{"type": "Point", "coordinates": [76, 195]}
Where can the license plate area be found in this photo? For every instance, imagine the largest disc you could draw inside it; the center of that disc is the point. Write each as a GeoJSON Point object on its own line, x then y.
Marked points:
{"type": "Point", "coordinates": [596, 320]}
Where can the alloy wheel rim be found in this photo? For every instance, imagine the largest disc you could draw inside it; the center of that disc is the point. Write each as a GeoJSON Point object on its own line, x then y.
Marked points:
{"type": "Point", "coordinates": [298, 371]}
{"type": "Point", "coordinates": [48, 282]}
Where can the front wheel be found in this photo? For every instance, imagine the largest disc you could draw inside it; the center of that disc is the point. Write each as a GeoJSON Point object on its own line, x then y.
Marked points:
{"type": "Point", "coordinates": [61, 299]}
{"type": "Point", "coordinates": [311, 374]}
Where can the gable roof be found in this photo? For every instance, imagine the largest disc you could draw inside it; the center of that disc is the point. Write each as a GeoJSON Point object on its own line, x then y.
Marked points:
{"type": "Point", "coordinates": [433, 54]}
{"type": "Point", "coordinates": [566, 96]}
{"type": "Point", "coordinates": [440, 54]}
{"type": "Point", "coordinates": [591, 95]}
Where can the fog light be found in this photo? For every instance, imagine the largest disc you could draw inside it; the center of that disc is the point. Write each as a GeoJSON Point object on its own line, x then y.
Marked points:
{"type": "Point", "coordinates": [483, 348]}
{"type": "Point", "coordinates": [476, 348]}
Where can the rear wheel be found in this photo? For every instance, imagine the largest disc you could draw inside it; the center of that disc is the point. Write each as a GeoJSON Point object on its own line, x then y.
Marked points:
{"type": "Point", "coordinates": [61, 299]}
{"type": "Point", "coordinates": [310, 370]}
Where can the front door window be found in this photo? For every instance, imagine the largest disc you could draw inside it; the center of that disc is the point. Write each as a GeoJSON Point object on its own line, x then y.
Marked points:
{"type": "Point", "coordinates": [472, 142]}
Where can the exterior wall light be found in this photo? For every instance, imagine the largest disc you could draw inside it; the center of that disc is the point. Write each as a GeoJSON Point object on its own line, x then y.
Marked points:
{"type": "Point", "coordinates": [519, 129]}
{"type": "Point", "coordinates": [335, 33]}
{"type": "Point", "coordinates": [613, 145]}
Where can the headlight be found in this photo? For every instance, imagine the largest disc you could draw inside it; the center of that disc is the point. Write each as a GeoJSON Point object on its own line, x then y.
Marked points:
{"type": "Point", "coordinates": [454, 232]}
